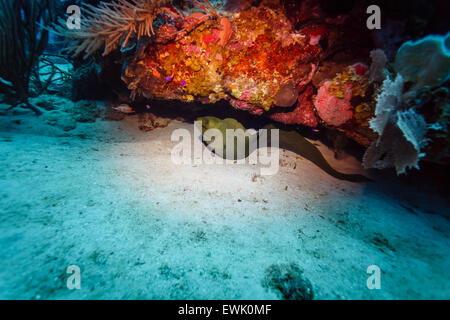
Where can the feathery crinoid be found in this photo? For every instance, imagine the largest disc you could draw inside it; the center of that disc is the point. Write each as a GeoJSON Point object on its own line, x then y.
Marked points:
{"type": "Point", "coordinates": [112, 24]}
{"type": "Point", "coordinates": [118, 22]}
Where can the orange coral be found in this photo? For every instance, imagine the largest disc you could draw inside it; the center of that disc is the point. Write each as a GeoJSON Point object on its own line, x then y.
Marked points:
{"type": "Point", "coordinates": [238, 57]}
{"type": "Point", "coordinates": [226, 31]}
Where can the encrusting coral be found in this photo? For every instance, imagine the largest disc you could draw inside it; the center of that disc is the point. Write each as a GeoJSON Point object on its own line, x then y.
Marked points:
{"type": "Point", "coordinates": [332, 109]}
{"type": "Point", "coordinates": [304, 112]}
{"type": "Point", "coordinates": [333, 101]}
{"type": "Point", "coordinates": [254, 59]}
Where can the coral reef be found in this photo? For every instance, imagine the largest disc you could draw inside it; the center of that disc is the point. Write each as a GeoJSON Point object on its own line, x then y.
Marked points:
{"type": "Point", "coordinates": [286, 95]}
{"type": "Point", "coordinates": [331, 109]}
{"type": "Point", "coordinates": [296, 63]}
{"type": "Point", "coordinates": [255, 57]}
{"type": "Point", "coordinates": [404, 134]}
{"type": "Point", "coordinates": [303, 113]}
{"type": "Point", "coordinates": [333, 101]}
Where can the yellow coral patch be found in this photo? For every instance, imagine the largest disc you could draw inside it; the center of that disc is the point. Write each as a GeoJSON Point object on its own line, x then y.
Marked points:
{"type": "Point", "coordinates": [341, 81]}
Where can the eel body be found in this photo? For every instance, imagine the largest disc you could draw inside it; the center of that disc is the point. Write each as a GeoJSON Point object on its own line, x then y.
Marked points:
{"type": "Point", "coordinates": [288, 139]}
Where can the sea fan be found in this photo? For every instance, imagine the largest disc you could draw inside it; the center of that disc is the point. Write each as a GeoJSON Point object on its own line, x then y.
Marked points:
{"type": "Point", "coordinates": [388, 102]}
{"type": "Point", "coordinates": [402, 134]}
{"type": "Point", "coordinates": [425, 62]}
{"type": "Point", "coordinates": [22, 41]}
{"type": "Point", "coordinates": [414, 128]}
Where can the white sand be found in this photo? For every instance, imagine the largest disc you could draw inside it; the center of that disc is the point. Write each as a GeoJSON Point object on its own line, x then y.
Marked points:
{"type": "Point", "coordinates": [107, 197]}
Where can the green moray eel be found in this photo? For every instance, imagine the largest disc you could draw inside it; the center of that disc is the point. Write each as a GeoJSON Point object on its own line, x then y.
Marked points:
{"type": "Point", "coordinates": [288, 139]}
{"type": "Point", "coordinates": [222, 126]}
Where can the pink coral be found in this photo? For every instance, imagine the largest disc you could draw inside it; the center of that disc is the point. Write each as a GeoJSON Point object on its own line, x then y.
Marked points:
{"type": "Point", "coordinates": [245, 95]}
{"type": "Point", "coordinates": [332, 110]}
{"type": "Point", "coordinates": [302, 114]}
{"type": "Point", "coordinates": [212, 38]}
{"type": "Point", "coordinates": [360, 69]}
{"type": "Point", "coordinates": [192, 49]}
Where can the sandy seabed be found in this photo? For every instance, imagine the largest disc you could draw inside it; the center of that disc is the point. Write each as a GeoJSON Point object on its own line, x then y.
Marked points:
{"type": "Point", "coordinates": [107, 198]}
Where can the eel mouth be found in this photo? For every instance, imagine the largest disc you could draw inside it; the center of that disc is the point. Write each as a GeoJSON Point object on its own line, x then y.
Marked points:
{"type": "Point", "coordinates": [204, 126]}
